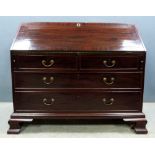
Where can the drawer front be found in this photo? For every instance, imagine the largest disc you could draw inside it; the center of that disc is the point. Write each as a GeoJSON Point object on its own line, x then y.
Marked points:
{"type": "Point", "coordinates": [89, 80]}
{"type": "Point", "coordinates": [45, 80]}
{"type": "Point", "coordinates": [111, 80]}
{"type": "Point", "coordinates": [110, 62]}
{"type": "Point", "coordinates": [77, 101]}
{"type": "Point", "coordinates": [45, 62]}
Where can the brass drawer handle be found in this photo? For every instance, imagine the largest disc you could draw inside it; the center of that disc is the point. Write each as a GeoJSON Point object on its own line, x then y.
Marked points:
{"type": "Point", "coordinates": [45, 101]}
{"type": "Point", "coordinates": [110, 102]}
{"type": "Point", "coordinates": [51, 80]}
{"type": "Point", "coordinates": [113, 63]}
{"type": "Point", "coordinates": [44, 63]}
{"type": "Point", "coordinates": [110, 81]}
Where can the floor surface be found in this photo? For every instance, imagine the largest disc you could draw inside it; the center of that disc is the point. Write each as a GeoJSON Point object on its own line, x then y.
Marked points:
{"type": "Point", "coordinates": [75, 131]}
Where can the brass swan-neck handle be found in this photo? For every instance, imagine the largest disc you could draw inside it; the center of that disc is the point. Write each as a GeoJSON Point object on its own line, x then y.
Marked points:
{"type": "Point", "coordinates": [110, 81]}
{"type": "Point", "coordinates": [44, 63]}
{"type": "Point", "coordinates": [108, 102]}
{"type": "Point", "coordinates": [51, 80]}
{"type": "Point", "coordinates": [45, 101]}
{"type": "Point", "coordinates": [109, 65]}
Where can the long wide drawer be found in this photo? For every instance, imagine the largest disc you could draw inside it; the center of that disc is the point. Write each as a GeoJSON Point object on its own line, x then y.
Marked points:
{"type": "Point", "coordinates": [82, 80]}
{"type": "Point", "coordinates": [52, 62]}
{"type": "Point", "coordinates": [77, 101]}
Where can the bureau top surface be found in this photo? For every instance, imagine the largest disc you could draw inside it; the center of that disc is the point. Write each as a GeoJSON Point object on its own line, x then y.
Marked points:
{"type": "Point", "coordinates": [77, 37]}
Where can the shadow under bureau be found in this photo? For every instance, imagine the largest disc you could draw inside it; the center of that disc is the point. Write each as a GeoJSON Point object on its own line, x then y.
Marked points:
{"type": "Point", "coordinates": [77, 71]}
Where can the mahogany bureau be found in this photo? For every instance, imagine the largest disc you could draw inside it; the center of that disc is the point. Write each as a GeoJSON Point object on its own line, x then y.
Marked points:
{"type": "Point", "coordinates": [78, 71]}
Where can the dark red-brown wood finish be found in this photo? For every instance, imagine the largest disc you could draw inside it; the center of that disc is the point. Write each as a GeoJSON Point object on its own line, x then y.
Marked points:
{"type": "Point", "coordinates": [86, 71]}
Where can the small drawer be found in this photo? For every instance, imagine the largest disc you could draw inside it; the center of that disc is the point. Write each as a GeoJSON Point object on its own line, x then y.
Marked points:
{"type": "Point", "coordinates": [110, 62]}
{"type": "Point", "coordinates": [83, 101]}
{"type": "Point", "coordinates": [52, 62]}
